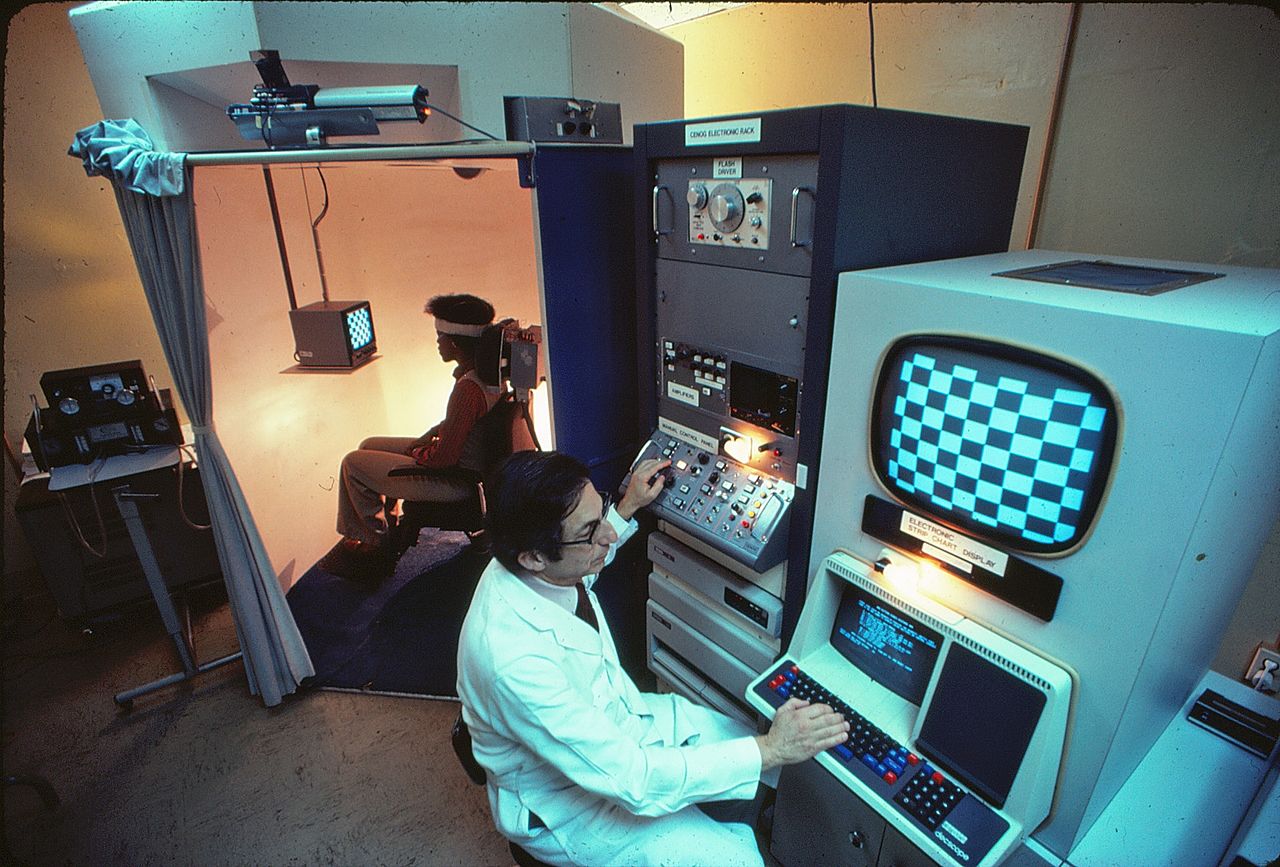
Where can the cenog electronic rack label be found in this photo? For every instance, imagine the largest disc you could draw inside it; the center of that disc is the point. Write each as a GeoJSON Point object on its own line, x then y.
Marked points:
{"type": "Point", "coordinates": [722, 132]}
{"type": "Point", "coordinates": [955, 544]}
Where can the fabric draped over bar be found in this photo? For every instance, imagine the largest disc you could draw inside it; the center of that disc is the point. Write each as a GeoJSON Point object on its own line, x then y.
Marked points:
{"type": "Point", "coordinates": [153, 191]}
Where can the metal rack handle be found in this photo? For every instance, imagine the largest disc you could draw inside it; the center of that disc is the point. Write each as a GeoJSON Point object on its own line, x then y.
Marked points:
{"type": "Point", "coordinates": [795, 201]}
{"type": "Point", "coordinates": [657, 233]}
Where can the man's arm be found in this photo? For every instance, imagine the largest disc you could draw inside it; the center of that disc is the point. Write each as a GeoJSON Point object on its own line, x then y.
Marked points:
{"type": "Point", "coordinates": [800, 730]}
{"type": "Point", "coordinates": [535, 703]}
{"type": "Point", "coordinates": [643, 489]}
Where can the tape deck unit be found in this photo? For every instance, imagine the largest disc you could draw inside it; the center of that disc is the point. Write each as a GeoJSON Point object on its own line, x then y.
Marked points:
{"type": "Point", "coordinates": [99, 411]}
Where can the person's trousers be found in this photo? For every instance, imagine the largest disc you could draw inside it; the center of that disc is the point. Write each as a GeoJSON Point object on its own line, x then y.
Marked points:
{"type": "Point", "coordinates": [366, 492]}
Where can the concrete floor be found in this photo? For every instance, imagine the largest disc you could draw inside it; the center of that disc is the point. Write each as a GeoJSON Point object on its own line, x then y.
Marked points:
{"type": "Point", "coordinates": [201, 773]}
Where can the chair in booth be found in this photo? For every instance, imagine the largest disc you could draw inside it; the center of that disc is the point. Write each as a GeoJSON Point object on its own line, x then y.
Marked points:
{"type": "Point", "coordinates": [504, 429]}
{"type": "Point", "coordinates": [461, 737]}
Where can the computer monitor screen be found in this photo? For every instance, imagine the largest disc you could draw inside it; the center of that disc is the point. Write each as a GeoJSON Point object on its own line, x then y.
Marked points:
{"type": "Point", "coordinates": [998, 441]}
{"type": "Point", "coordinates": [359, 327]}
{"type": "Point", "coordinates": [763, 397]}
{"type": "Point", "coordinates": [980, 722]}
{"type": "Point", "coordinates": [890, 647]}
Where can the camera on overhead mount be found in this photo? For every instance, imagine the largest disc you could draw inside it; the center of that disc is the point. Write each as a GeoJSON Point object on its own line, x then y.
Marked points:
{"type": "Point", "coordinates": [508, 351]}
{"type": "Point", "coordinates": [304, 115]}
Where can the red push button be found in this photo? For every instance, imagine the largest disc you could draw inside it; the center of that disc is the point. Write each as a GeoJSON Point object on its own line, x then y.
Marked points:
{"type": "Point", "coordinates": [890, 777]}
{"type": "Point", "coordinates": [937, 777]}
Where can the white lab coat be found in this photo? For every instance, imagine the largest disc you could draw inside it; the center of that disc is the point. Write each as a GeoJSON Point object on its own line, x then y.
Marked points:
{"type": "Point", "coordinates": [568, 741]}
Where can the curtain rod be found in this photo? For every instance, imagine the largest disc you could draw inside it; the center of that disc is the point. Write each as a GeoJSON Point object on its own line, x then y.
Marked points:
{"type": "Point", "coordinates": [380, 152]}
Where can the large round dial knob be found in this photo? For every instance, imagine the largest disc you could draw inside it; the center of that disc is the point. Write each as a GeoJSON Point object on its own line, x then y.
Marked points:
{"type": "Point", "coordinates": [726, 207]}
{"type": "Point", "coordinates": [697, 196]}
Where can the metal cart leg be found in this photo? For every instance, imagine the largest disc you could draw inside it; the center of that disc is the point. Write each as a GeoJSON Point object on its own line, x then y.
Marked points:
{"type": "Point", "coordinates": [125, 502]}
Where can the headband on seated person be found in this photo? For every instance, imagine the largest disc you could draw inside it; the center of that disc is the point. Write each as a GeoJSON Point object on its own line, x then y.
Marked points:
{"type": "Point", "coordinates": [461, 329]}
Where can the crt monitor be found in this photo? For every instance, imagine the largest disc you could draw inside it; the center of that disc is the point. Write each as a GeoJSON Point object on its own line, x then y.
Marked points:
{"type": "Point", "coordinates": [1013, 446]}
{"type": "Point", "coordinates": [333, 334]}
{"type": "Point", "coordinates": [887, 644]}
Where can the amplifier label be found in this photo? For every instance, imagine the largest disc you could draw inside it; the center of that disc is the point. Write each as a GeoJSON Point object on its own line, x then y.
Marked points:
{"type": "Point", "coordinates": [722, 132]}
{"type": "Point", "coordinates": [953, 543]}
{"type": "Point", "coordinates": [729, 168]}
{"type": "Point", "coordinates": [682, 393]}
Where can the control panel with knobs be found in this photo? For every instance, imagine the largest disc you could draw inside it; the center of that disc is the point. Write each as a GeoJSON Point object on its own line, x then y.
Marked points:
{"type": "Point", "coordinates": [730, 214]}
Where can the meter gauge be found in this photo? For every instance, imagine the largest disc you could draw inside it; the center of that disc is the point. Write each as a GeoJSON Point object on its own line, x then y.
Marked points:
{"type": "Point", "coordinates": [126, 397]}
{"type": "Point", "coordinates": [69, 406]}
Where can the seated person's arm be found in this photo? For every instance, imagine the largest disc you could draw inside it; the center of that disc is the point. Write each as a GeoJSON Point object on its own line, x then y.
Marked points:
{"type": "Point", "coordinates": [426, 438]}
{"type": "Point", "coordinates": [466, 407]}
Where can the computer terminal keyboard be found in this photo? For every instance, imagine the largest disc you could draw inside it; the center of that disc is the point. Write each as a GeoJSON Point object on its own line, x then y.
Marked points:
{"type": "Point", "coordinates": [907, 781]}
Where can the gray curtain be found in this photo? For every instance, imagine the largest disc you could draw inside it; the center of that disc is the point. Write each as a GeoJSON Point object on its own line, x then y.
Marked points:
{"type": "Point", "coordinates": [162, 233]}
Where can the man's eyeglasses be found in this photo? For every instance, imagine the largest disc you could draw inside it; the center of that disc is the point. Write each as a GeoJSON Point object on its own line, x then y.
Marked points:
{"type": "Point", "coordinates": [593, 529]}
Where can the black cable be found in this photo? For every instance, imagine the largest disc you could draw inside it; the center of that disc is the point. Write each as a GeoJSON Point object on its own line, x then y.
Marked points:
{"type": "Point", "coordinates": [871, 27]}
{"type": "Point", "coordinates": [182, 508]}
{"type": "Point", "coordinates": [74, 522]}
{"type": "Point", "coordinates": [325, 186]}
{"type": "Point", "coordinates": [528, 422]}
{"type": "Point", "coordinates": [461, 121]}
{"type": "Point", "coordinates": [315, 234]}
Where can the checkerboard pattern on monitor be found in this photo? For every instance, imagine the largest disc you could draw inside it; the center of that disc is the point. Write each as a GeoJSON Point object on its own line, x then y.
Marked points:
{"type": "Point", "coordinates": [1015, 456]}
{"type": "Point", "coordinates": [359, 327]}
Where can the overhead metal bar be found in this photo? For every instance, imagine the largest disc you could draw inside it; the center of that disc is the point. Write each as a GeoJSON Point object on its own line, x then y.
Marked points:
{"type": "Point", "coordinates": [479, 150]}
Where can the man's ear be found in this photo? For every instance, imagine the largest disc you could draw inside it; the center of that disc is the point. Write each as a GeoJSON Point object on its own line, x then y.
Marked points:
{"type": "Point", "coordinates": [532, 560]}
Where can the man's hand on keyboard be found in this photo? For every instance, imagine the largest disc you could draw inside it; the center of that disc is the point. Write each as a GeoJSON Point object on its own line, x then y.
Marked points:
{"type": "Point", "coordinates": [800, 731]}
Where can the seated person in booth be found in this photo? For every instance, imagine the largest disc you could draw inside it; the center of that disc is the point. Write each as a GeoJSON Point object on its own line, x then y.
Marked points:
{"type": "Point", "coordinates": [366, 492]}
{"type": "Point", "coordinates": [582, 767]}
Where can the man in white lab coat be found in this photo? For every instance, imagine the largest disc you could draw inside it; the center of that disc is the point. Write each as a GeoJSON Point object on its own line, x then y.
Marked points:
{"type": "Point", "coordinates": [582, 767]}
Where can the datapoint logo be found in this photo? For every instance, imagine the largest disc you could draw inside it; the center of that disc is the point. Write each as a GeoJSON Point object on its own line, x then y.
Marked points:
{"type": "Point", "coordinates": [955, 850]}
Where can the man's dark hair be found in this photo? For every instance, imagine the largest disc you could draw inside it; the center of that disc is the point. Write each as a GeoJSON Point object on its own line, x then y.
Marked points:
{"type": "Point", "coordinates": [463, 309]}
{"type": "Point", "coordinates": [527, 498]}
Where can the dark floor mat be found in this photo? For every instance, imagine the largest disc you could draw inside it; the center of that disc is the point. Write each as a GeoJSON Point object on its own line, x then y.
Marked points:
{"type": "Point", "coordinates": [397, 634]}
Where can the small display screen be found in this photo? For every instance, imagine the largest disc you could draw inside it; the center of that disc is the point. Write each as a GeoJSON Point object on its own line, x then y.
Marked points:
{"type": "Point", "coordinates": [103, 433]}
{"type": "Point", "coordinates": [359, 327]}
{"type": "Point", "coordinates": [980, 722]}
{"type": "Point", "coordinates": [1005, 443]}
{"type": "Point", "coordinates": [763, 398]}
{"type": "Point", "coordinates": [106, 386]}
{"type": "Point", "coordinates": [891, 648]}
